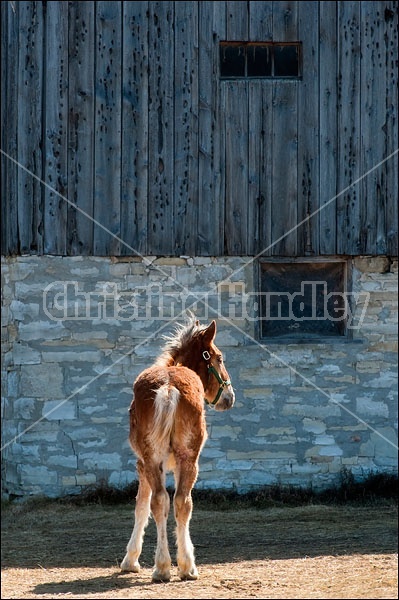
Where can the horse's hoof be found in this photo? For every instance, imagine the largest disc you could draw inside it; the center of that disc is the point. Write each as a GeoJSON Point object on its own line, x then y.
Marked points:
{"type": "Point", "coordinates": [190, 576]}
{"type": "Point", "coordinates": [126, 566]}
{"type": "Point", "coordinates": [159, 577]}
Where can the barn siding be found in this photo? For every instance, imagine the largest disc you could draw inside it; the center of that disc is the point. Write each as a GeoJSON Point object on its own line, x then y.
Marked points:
{"type": "Point", "coordinates": [129, 121]}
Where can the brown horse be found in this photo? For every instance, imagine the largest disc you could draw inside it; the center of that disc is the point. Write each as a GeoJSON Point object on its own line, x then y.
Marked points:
{"type": "Point", "coordinates": [167, 432]}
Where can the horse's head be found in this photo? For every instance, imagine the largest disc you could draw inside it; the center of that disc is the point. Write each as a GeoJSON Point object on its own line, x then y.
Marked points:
{"type": "Point", "coordinates": [217, 385]}
{"type": "Point", "coordinates": [193, 346]}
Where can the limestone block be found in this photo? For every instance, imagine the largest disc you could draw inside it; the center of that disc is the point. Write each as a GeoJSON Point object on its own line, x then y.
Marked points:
{"type": "Point", "coordinates": [59, 460]}
{"type": "Point", "coordinates": [55, 410]}
{"type": "Point", "coordinates": [25, 355]}
{"type": "Point", "coordinates": [372, 264]}
{"type": "Point", "coordinates": [41, 476]}
{"type": "Point", "coordinates": [42, 381]}
{"type": "Point", "coordinates": [99, 460]}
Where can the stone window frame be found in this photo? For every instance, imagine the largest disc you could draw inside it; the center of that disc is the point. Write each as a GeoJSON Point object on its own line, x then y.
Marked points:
{"type": "Point", "coordinates": [340, 333]}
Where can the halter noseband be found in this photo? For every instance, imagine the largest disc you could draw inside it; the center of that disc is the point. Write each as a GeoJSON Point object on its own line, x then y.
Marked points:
{"type": "Point", "coordinates": [222, 383]}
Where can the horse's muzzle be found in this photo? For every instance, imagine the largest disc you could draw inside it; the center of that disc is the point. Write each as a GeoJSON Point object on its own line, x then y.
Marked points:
{"type": "Point", "coordinates": [226, 399]}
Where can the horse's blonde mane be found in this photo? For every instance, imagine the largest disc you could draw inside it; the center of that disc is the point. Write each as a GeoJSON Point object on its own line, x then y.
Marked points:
{"type": "Point", "coordinates": [178, 339]}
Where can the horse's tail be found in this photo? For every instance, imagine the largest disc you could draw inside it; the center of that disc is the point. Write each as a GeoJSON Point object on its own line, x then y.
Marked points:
{"type": "Point", "coordinates": [165, 404]}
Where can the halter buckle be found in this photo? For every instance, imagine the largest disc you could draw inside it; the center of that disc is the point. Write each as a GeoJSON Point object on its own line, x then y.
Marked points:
{"type": "Point", "coordinates": [206, 355]}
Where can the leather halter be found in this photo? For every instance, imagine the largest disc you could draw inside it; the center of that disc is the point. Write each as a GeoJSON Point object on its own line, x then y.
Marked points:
{"type": "Point", "coordinates": [222, 383]}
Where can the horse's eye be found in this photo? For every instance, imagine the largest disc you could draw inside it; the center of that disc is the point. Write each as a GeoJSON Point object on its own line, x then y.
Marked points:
{"type": "Point", "coordinates": [219, 359]}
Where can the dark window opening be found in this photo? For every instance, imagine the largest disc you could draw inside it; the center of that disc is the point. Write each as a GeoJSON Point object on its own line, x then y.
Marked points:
{"type": "Point", "coordinates": [259, 60]}
{"type": "Point", "coordinates": [303, 299]}
{"type": "Point", "coordinates": [233, 60]}
{"type": "Point", "coordinates": [286, 61]}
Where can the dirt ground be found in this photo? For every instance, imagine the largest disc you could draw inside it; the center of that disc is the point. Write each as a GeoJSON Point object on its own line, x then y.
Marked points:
{"type": "Point", "coordinates": [66, 551]}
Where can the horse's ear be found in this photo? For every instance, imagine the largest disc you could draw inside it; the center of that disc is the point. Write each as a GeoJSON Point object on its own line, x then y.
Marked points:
{"type": "Point", "coordinates": [209, 333]}
{"type": "Point", "coordinates": [197, 323]}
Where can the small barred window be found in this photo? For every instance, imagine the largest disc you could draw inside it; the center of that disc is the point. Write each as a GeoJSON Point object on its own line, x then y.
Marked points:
{"type": "Point", "coordinates": [241, 60]}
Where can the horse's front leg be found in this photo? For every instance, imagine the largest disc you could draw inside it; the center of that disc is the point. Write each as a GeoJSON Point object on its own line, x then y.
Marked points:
{"type": "Point", "coordinates": [142, 513]}
{"type": "Point", "coordinates": [186, 475]}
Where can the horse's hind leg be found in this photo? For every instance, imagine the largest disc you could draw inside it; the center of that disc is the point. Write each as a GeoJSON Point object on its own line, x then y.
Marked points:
{"type": "Point", "coordinates": [185, 474]}
{"type": "Point", "coordinates": [160, 504]}
{"type": "Point", "coordinates": [142, 513]}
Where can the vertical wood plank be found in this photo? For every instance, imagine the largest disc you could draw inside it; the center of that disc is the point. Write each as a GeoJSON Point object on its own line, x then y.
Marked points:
{"type": "Point", "coordinates": [328, 127]}
{"type": "Point", "coordinates": [161, 129]}
{"type": "Point", "coordinates": [9, 26]}
{"type": "Point", "coordinates": [236, 128]}
{"type": "Point", "coordinates": [30, 210]}
{"type": "Point", "coordinates": [308, 130]}
{"type": "Point", "coordinates": [186, 128]}
{"type": "Point", "coordinates": [81, 99]}
{"type": "Point", "coordinates": [219, 158]}
{"type": "Point", "coordinates": [391, 17]}
{"type": "Point", "coordinates": [56, 130]}
{"type": "Point", "coordinates": [349, 201]}
{"type": "Point", "coordinates": [261, 165]}
{"type": "Point", "coordinates": [108, 128]}
{"type": "Point", "coordinates": [212, 28]}
{"type": "Point", "coordinates": [285, 21]}
{"type": "Point", "coordinates": [259, 147]}
{"type": "Point", "coordinates": [373, 118]}
{"type": "Point", "coordinates": [260, 21]}
{"type": "Point", "coordinates": [255, 126]}
{"type": "Point", "coordinates": [236, 140]}
{"type": "Point", "coordinates": [134, 194]}
{"type": "Point", "coordinates": [284, 210]}
{"type": "Point", "coordinates": [237, 20]}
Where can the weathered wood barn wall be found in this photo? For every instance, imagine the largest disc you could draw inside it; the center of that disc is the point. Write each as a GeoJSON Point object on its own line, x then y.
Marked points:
{"type": "Point", "coordinates": [120, 108]}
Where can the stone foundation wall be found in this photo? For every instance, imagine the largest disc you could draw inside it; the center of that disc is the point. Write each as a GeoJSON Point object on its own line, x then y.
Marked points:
{"type": "Point", "coordinates": [77, 331]}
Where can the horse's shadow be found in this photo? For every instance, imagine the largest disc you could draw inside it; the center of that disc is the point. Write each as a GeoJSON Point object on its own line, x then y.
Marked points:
{"type": "Point", "coordinates": [105, 583]}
